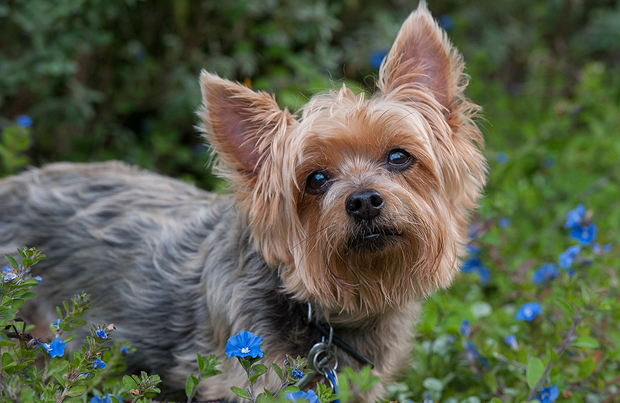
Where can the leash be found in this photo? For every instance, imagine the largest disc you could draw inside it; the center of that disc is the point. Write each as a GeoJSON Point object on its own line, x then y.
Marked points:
{"type": "Point", "coordinates": [321, 354]}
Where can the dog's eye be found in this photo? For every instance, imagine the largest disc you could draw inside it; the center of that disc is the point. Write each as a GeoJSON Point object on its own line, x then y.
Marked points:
{"type": "Point", "coordinates": [317, 182]}
{"type": "Point", "coordinates": [399, 159]}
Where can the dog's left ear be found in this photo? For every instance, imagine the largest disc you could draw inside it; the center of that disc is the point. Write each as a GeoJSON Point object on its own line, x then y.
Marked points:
{"type": "Point", "coordinates": [239, 123]}
{"type": "Point", "coordinates": [422, 55]}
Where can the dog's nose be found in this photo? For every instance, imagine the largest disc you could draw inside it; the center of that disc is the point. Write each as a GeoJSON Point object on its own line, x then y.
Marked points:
{"type": "Point", "coordinates": [364, 205]}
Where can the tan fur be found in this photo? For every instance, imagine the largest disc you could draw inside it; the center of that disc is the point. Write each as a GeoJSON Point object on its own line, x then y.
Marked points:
{"type": "Point", "coordinates": [420, 107]}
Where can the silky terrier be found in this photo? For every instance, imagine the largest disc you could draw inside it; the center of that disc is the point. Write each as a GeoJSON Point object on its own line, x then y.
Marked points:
{"type": "Point", "coordinates": [342, 219]}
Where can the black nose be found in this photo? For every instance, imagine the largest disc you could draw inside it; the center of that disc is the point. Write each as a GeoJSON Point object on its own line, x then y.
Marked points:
{"type": "Point", "coordinates": [364, 205]}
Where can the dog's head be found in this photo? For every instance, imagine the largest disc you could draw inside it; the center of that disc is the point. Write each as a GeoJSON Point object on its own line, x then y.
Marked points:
{"type": "Point", "coordinates": [362, 204]}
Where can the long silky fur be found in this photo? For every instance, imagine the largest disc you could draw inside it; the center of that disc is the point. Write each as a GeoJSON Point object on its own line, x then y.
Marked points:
{"type": "Point", "coordinates": [179, 270]}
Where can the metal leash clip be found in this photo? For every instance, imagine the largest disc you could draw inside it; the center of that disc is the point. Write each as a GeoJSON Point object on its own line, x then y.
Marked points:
{"type": "Point", "coordinates": [319, 357]}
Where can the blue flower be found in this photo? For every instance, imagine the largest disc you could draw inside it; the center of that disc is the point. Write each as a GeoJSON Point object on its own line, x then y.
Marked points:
{"type": "Point", "coordinates": [101, 334]}
{"type": "Point", "coordinates": [502, 157]}
{"type": "Point", "coordinates": [446, 22]}
{"type": "Point", "coordinates": [503, 222]}
{"type": "Point", "coordinates": [464, 329]}
{"type": "Point", "coordinates": [471, 264]}
{"type": "Point", "coordinates": [474, 265]}
{"type": "Point", "coordinates": [376, 58]}
{"type": "Point", "coordinates": [124, 350]}
{"type": "Point", "coordinates": [302, 397]}
{"type": "Point", "coordinates": [139, 56]}
{"type": "Point", "coordinates": [549, 162]}
{"type": "Point", "coordinates": [244, 344]}
{"type": "Point", "coordinates": [568, 256]}
{"type": "Point", "coordinates": [56, 323]}
{"type": "Point", "coordinates": [584, 234]}
{"type": "Point", "coordinates": [106, 399]}
{"type": "Point", "coordinates": [511, 340]}
{"type": "Point", "coordinates": [575, 216]}
{"type": "Point", "coordinates": [297, 373]}
{"type": "Point", "coordinates": [24, 121]}
{"type": "Point", "coordinates": [5, 270]}
{"type": "Point", "coordinates": [427, 399]}
{"type": "Point", "coordinates": [10, 276]}
{"type": "Point", "coordinates": [545, 273]}
{"type": "Point", "coordinates": [548, 394]}
{"type": "Point", "coordinates": [528, 311]}
{"type": "Point", "coordinates": [84, 375]}
{"type": "Point", "coordinates": [56, 348]}
{"type": "Point", "coordinates": [99, 364]}
{"type": "Point", "coordinates": [473, 354]}
{"type": "Point", "coordinates": [38, 278]}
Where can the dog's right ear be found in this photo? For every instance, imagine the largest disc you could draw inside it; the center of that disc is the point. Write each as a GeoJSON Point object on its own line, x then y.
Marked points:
{"type": "Point", "coordinates": [239, 123]}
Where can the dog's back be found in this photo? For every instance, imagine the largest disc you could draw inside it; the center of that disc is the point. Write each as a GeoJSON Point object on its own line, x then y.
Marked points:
{"type": "Point", "coordinates": [155, 254]}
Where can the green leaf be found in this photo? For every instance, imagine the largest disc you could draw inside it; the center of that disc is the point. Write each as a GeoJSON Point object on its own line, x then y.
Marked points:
{"type": "Point", "coordinates": [129, 383]}
{"type": "Point", "coordinates": [586, 368]}
{"type": "Point", "coordinates": [481, 309]}
{"type": "Point", "coordinates": [586, 342]}
{"type": "Point", "coordinates": [56, 367]}
{"type": "Point", "coordinates": [240, 392]}
{"type": "Point", "coordinates": [259, 369]}
{"type": "Point", "coordinates": [29, 295]}
{"type": "Point", "coordinates": [244, 363]}
{"type": "Point", "coordinates": [202, 363]}
{"type": "Point", "coordinates": [70, 337]}
{"type": "Point", "coordinates": [288, 389]}
{"type": "Point", "coordinates": [276, 368]}
{"type": "Point", "coordinates": [77, 390]}
{"type": "Point", "coordinates": [31, 282]}
{"type": "Point", "coordinates": [433, 384]}
{"type": "Point", "coordinates": [6, 359]}
{"type": "Point", "coordinates": [17, 303]}
{"type": "Point", "coordinates": [534, 371]}
{"type": "Point", "coordinates": [565, 307]}
{"type": "Point", "coordinates": [12, 261]}
{"type": "Point", "coordinates": [262, 398]}
{"type": "Point", "coordinates": [6, 315]}
{"type": "Point", "coordinates": [6, 343]}
{"type": "Point", "coordinates": [192, 382]}
{"type": "Point", "coordinates": [76, 324]}
{"type": "Point", "coordinates": [495, 400]}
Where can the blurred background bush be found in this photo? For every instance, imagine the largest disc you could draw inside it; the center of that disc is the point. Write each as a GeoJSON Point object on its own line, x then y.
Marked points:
{"type": "Point", "coordinates": [118, 79]}
{"type": "Point", "coordinates": [105, 79]}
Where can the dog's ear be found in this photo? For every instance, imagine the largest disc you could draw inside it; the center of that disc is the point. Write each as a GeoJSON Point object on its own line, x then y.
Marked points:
{"type": "Point", "coordinates": [422, 56]}
{"type": "Point", "coordinates": [239, 123]}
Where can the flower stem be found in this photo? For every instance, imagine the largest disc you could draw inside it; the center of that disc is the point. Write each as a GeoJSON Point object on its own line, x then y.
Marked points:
{"type": "Point", "coordinates": [576, 321]}
{"type": "Point", "coordinates": [251, 388]}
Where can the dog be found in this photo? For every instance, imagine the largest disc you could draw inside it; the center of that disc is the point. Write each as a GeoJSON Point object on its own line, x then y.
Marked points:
{"type": "Point", "coordinates": [343, 216]}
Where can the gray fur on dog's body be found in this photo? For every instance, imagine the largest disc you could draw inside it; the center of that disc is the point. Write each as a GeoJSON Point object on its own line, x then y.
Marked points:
{"type": "Point", "coordinates": [170, 265]}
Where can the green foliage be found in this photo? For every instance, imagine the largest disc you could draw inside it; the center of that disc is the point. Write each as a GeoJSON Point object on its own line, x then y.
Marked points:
{"type": "Point", "coordinates": [352, 384]}
{"type": "Point", "coordinates": [206, 369]}
{"type": "Point", "coordinates": [14, 142]}
{"type": "Point", "coordinates": [286, 374]}
{"type": "Point", "coordinates": [90, 370]}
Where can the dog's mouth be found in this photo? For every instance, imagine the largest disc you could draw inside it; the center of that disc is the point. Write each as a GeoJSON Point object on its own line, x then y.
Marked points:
{"type": "Point", "coordinates": [372, 240]}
